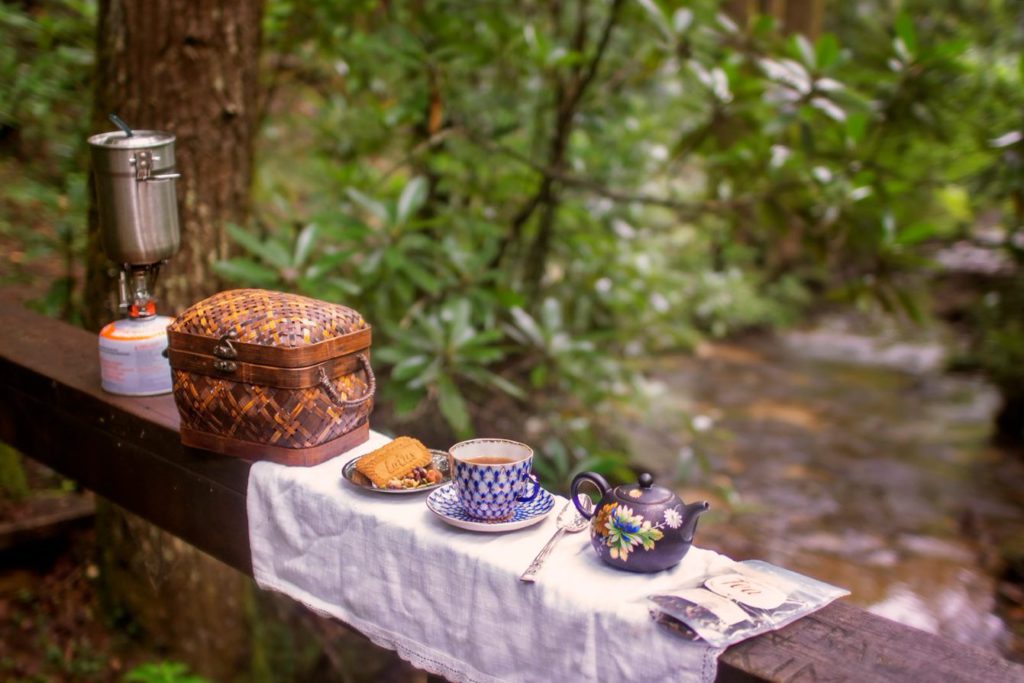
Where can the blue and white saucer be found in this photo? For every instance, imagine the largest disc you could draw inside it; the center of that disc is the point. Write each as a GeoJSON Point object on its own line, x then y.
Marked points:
{"type": "Point", "coordinates": [444, 503]}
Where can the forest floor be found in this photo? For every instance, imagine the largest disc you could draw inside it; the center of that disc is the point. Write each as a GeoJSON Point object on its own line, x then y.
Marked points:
{"type": "Point", "coordinates": [56, 627]}
{"type": "Point", "coordinates": [52, 626]}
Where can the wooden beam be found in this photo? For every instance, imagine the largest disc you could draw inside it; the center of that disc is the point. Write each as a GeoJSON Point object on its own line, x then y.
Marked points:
{"type": "Point", "coordinates": [128, 450]}
{"type": "Point", "coordinates": [125, 449]}
{"type": "Point", "coordinates": [845, 643]}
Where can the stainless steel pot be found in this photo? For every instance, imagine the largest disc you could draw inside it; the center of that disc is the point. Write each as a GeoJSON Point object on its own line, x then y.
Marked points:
{"type": "Point", "coordinates": [136, 194]}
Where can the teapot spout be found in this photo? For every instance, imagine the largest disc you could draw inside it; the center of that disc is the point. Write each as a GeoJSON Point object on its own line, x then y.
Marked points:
{"type": "Point", "coordinates": [691, 514]}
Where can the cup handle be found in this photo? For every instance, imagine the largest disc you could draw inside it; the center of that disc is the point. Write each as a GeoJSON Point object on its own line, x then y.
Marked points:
{"type": "Point", "coordinates": [536, 489]}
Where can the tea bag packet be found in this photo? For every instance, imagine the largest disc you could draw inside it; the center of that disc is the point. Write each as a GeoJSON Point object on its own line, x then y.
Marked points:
{"type": "Point", "coordinates": [749, 598]}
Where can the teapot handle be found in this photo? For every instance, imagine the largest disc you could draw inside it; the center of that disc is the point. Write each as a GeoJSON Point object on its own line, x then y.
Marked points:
{"type": "Point", "coordinates": [595, 479]}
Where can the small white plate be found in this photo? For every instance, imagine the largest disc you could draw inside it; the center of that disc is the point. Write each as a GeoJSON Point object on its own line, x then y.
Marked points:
{"type": "Point", "coordinates": [444, 503]}
{"type": "Point", "coordinates": [439, 461]}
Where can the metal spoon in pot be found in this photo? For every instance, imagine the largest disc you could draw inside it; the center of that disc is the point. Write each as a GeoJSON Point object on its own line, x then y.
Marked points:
{"type": "Point", "coordinates": [569, 520]}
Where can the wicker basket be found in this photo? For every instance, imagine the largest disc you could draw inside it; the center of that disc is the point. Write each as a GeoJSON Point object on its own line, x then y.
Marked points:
{"type": "Point", "coordinates": [271, 376]}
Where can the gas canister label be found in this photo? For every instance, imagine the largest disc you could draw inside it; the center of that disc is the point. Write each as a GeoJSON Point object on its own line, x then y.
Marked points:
{"type": "Point", "coordinates": [131, 357]}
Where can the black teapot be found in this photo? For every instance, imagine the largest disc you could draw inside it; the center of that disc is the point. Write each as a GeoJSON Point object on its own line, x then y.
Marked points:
{"type": "Point", "coordinates": [638, 527]}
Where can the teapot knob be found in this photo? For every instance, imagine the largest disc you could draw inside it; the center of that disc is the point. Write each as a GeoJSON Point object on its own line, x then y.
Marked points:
{"type": "Point", "coordinates": [646, 480]}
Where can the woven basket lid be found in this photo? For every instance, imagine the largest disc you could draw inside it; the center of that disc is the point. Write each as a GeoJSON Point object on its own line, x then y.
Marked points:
{"type": "Point", "coordinates": [265, 318]}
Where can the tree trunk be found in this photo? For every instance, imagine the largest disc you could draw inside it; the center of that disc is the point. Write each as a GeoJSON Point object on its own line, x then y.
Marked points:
{"type": "Point", "coordinates": [794, 16]}
{"type": "Point", "coordinates": [804, 16]}
{"type": "Point", "coordinates": [190, 606]}
{"type": "Point", "coordinates": [190, 67]}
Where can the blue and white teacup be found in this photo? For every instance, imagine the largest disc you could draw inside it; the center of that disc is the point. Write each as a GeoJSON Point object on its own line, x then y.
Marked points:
{"type": "Point", "coordinates": [491, 476]}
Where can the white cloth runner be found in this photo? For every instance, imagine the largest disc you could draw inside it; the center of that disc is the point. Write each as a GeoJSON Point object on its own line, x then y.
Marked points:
{"type": "Point", "coordinates": [450, 601]}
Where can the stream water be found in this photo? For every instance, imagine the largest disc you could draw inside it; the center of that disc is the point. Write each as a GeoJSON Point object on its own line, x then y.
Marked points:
{"type": "Point", "coordinates": [851, 458]}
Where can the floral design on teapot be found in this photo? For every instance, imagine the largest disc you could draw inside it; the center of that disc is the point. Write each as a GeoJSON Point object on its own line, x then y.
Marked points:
{"type": "Point", "coordinates": [624, 530]}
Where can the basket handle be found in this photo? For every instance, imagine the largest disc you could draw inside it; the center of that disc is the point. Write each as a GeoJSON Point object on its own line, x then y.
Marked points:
{"type": "Point", "coordinates": [335, 395]}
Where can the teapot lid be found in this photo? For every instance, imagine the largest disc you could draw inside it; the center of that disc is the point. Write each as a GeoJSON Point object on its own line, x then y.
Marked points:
{"type": "Point", "coordinates": [643, 492]}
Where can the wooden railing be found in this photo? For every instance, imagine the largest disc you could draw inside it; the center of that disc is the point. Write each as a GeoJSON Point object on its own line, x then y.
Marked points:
{"type": "Point", "coordinates": [128, 450]}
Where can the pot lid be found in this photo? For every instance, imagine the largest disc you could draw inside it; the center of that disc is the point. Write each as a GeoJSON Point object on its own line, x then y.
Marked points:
{"type": "Point", "coordinates": [140, 139]}
{"type": "Point", "coordinates": [643, 492]}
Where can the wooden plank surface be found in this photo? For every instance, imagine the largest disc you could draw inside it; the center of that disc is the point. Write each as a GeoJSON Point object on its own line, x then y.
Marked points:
{"type": "Point", "coordinates": [128, 449]}
{"type": "Point", "coordinates": [843, 643]}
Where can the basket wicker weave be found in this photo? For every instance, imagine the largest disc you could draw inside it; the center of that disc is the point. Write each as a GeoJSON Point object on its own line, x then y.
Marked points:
{"type": "Point", "coordinates": [272, 376]}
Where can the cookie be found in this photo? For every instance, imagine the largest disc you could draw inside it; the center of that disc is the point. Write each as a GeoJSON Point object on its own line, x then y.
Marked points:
{"type": "Point", "coordinates": [393, 460]}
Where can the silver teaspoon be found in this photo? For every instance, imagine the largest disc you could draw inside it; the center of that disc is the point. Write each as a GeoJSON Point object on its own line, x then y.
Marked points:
{"type": "Point", "coordinates": [569, 520]}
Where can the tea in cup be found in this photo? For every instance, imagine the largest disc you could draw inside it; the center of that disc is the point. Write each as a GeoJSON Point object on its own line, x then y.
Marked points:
{"type": "Point", "coordinates": [491, 476]}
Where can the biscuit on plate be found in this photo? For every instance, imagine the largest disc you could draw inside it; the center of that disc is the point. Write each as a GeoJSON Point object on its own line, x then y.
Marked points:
{"type": "Point", "coordinates": [393, 460]}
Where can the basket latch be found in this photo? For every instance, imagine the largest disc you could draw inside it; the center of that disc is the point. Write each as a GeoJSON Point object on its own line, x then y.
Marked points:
{"type": "Point", "coordinates": [226, 353]}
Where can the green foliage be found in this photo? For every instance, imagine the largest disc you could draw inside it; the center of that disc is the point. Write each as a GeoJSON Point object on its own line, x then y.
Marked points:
{"type": "Point", "coordinates": [999, 349]}
{"type": "Point", "coordinates": [527, 201]}
{"type": "Point", "coordinates": [43, 55]}
{"type": "Point", "coordinates": [1002, 351]}
{"type": "Point", "coordinates": [439, 351]}
{"type": "Point", "coordinates": [162, 672]}
{"type": "Point", "coordinates": [46, 56]}
{"type": "Point", "coordinates": [13, 482]}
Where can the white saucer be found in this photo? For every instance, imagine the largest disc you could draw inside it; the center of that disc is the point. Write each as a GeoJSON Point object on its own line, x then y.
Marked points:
{"type": "Point", "coordinates": [444, 503]}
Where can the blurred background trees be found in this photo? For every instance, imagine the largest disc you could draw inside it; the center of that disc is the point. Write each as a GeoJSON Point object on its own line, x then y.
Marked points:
{"type": "Point", "coordinates": [535, 202]}
{"type": "Point", "coordinates": [531, 203]}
